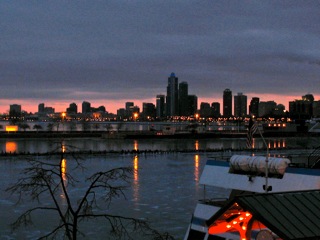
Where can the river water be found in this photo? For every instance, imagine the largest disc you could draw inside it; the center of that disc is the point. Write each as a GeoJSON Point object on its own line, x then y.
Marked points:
{"type": "Point", "coordinates": [164, 189]}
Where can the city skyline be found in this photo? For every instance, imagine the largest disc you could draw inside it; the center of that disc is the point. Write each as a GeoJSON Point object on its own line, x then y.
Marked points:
{"type": "Point", "coordinates": [231, 112]}
{"type": "Point", "coordinates": [109, 53]}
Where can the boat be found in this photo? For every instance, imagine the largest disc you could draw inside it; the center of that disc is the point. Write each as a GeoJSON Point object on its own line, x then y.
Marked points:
{"type": "Point", "coordinates": [270, 198]}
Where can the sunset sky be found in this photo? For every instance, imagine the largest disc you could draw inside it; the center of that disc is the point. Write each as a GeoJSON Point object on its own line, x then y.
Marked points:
{"type": "Point", "coordinates": [110, 52]}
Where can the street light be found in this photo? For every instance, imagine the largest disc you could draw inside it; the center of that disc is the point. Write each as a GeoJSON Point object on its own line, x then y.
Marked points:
{"type": "Point", "coordinates": [135, 116]}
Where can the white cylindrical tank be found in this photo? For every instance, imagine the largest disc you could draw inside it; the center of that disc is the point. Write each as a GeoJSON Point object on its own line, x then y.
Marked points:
{"type": "Point", "coordinates": [257, 164]}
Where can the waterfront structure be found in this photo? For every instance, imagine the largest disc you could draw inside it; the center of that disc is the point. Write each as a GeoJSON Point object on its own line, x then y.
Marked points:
{"type": "Point", "coordinates": [254, 106]}
{"type": "Point", "coordinates": [172, 101]}
{"type": "Point", "coordinates": [86, 107]}
{"type": "Point", "coordinates": [160, 106]}
{"type": "Point", "coordinates": [267, 108]}
{"type": "Point", "coordinates": [183, 99]}
{"type": "Point", "coordinates": [227, 103]}
{"type": "Point", "coordinates": [240, 105]}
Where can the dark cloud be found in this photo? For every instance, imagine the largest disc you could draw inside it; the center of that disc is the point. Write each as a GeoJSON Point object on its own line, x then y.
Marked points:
{"type": "Point", "coordinates": [76, 50]}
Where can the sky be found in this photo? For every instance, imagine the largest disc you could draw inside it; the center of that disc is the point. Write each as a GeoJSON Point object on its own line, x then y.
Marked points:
{"type": "Point", "coordinates": [109, 52]}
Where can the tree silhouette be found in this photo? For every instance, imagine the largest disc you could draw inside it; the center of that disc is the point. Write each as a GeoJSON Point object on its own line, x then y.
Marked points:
{"type": "Point", "coordinates": [24, 126]}
{"type": "Point", "coordinates": [50, 178]}
{"type": "Point", "coordinates": [37, 127]}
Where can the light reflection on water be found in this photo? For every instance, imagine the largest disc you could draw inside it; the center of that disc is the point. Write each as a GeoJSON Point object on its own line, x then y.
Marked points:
{"type": "Point", "coordinates": [11, 146]}
{"type": "Point", "coordinates": [117, 145]}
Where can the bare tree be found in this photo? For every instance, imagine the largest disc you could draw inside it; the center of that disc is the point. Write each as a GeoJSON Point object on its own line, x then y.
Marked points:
{"type": "Point", "coordinates": [47, 178]}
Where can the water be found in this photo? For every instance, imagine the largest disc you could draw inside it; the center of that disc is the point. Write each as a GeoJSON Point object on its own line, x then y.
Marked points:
{"type": "Point", "coordinates": [164, 190]}
{"type": "Point", "coordinates": [99, 144]}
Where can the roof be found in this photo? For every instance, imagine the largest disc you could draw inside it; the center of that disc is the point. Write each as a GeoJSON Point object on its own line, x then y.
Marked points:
{"type": "Point", "coordinates": [290, 215]}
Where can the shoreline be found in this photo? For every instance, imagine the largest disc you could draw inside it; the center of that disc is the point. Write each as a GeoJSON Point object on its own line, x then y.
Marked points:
{"type": "Point", "coordinates": [149, 135]}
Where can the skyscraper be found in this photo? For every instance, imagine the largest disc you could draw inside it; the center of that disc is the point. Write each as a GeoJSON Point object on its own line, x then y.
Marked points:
{"type": "Point", "coordinates": [192, 104]}
{"type": "Point", "coordinates": [172, 102]}
{"type": "Point", "coordinates": [215, 106]}
{"type": "Point", "coordinates": [183, 99]}
{"type": "Point", "coordinates": [41, 108]}
{"type": "Point", "coordinates": [73, 108]}
{"type": "Point", "coordinates": [240, 105]}
{"type": "Point", "coordinates": [205, 109]}
{"type": "Point", "coordinates": [129, 109]}
{"type": "Point", "coordinates": [148, 111]}
{"type": "Point", "coordinates": [86, 107]}
{"type": "Point", "coordinates": [254, 107]}
{"type": "Point", "coordinates": [266, 108]}
{"type": "Point", "coordinates": [227, 103]}
{"type": "Point", "coordinates": [160, 106]}
{"type": "Point", "coordinates": [15, 110]}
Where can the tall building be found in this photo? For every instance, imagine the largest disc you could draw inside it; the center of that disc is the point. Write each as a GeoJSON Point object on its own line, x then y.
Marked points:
{"type": "Point", "coordinates": [300, 109]}
{"type": "Point", "coordinates": [160, 106]}
{"type": "Point", "coordinates": [240, 105]}
{"type": "Point", "coordinates": [172, 101]}
{"type": "Point", "coordinates": [205, 109]}
{"type": "Point", "coordinates": [227, 103]}
{"type": "Point", "coordinates": [86, 107]}
{"type": "Point", "coordinates": [15, 110]}
{"type": "Point", "coordinates": [215, 106]}
{"type": "Point", "coordinates": [279, 111]}
{"type": "Point", "coordinates": [73, 108]}
{"type": "Point", "coordinates": [267, 108]}
{"type": "Point", "coordinates": [316, 109]}
{"type": "Point", "coordinates": [254, 107]}
{"type": "Point", "coordinates": [129, 105]}
{"type": "Point", "coordinates": [41, 108]}
{"type": "Point", "coordinates": [309, 97]}
{"type": "Point", "coordinates": [183, 99]}
{"type": "Point", "coordinates": [148, 110]}
{"type": "Point", "coordinates": [129, 109]}
{"type": "Point", "coordinates": [192, 104]}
